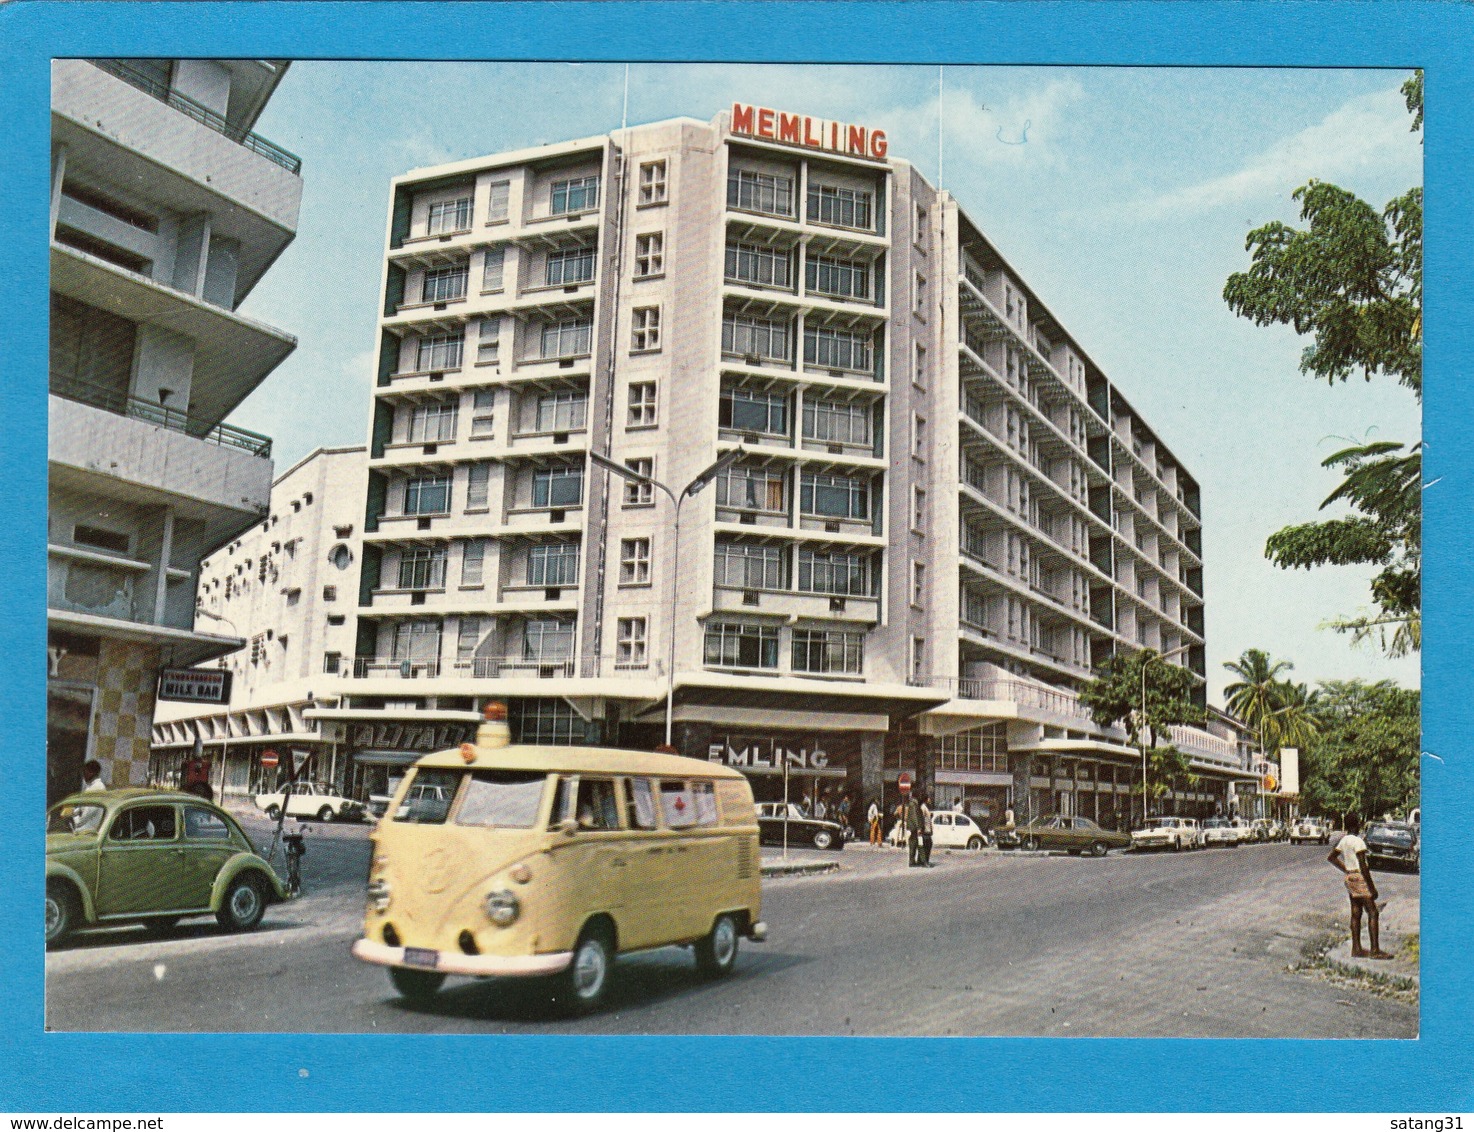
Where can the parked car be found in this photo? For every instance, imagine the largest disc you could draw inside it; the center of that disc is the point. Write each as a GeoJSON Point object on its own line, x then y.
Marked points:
{"type": "Point", "coordinates": [801, 830]}
{"type": "Point", "coordinates": [1220, 832]}
{"type": "Point", "coordinates": [951, 830]}
{"type": "Point", "coordinates": [1307, 830]}
{"type": "Point", "coordinates": [1278, 831]}
{"type": "Point", "coordinates": [1260, 829]}
{"type": "Point", "coordinates": [1175, 833]}
{"type": "Point", "coordinates": [312, 800]}
{"type": "Point", "coordinates": [1392, 842]}
{"type": "Point", "coordinates": [151, 856]}
{"type": "Point", "coordinates": [1076, 835]}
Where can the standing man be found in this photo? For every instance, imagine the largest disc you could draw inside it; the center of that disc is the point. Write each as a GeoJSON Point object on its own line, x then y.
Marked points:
{"type": "Point", "coordinates": [872, 817]}
{"type": "Point", "coordinates": [926, 831]}
{"type": "Point", "coordinates": [911, 826]}
{"type": "Point", "coordinates": [1350, 856]}
{"type": "Point", "coordinates": [92, 776]}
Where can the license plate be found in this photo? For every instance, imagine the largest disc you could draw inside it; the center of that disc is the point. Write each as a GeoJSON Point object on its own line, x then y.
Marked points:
{"type": "Point", "coordinates": [421, 956]}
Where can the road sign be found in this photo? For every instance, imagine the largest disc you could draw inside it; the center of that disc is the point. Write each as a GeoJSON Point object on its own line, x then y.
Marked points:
{"type": "Point", "coordinates": [268, 759]}
{"type": "Point", "coordinates": [904, 782]}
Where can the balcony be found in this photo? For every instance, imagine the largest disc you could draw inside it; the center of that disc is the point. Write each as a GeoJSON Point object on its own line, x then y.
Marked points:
{"type": "Point", "coordinates": [115, 401]}
{"type": "Point", "coordinates": [515, 667]}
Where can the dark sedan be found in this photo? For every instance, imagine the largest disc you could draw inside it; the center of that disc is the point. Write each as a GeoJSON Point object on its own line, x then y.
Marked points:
{"type": "Point", "coordinates": [1392, 843]}
{"type": "Point", "coordinates": [1075, 835]}
{"type": "Point", "coordinates": [774, 822]}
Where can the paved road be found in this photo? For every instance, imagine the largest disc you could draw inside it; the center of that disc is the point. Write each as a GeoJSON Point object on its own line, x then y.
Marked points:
{"type": "Point", "coordinates": [1163, 945]}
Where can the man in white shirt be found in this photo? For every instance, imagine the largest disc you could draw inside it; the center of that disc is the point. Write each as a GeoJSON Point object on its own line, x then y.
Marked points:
{"type": "Point", "coordinates": [1350, 856]}
{"type": "Point", "coordinates": [92, 776]}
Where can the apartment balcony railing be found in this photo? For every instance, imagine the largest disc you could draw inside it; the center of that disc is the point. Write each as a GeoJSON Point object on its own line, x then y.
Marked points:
{"type": "Point", "coordinates": [175, 420]}
{"type": "Point", "coordinates": [1020, 692]}
{"type": "Point", "coordinates": [202, 114]}
{"type": "Point", "coordinates": [517, 666]}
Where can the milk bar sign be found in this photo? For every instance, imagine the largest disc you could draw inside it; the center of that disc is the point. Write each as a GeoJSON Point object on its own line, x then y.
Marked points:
{"type": "Point", "coordinates": [410, 736]}
{"type": "Point", "coordinates": [808, 133]}
{"type": "Point", "coordinates": [195, 685]}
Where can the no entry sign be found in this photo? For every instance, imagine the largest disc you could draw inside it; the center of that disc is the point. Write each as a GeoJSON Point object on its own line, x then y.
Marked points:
{"type": "Point", "coordinates": [904, 782]}
{"type": "Point", "coordinates": [268, 759]}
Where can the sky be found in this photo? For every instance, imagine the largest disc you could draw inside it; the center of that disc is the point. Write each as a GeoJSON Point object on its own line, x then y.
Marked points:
{"type": "Point", "coordinates": [1121, 195]}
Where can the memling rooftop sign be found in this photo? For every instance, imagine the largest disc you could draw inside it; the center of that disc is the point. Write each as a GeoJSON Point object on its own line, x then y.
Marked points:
{"type": "Point", "coordinates": [808, 133]}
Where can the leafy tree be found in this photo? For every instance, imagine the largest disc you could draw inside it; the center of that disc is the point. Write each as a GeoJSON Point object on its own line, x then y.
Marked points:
{"type": "Point", "coordinates": [1365, 758]}
{"type": "Point", "coordinates": [1295, 723]}
{"type": "Point", "coordinates": [1353, 280]}
{"type": "Point", "coordinates": [1114, 696]}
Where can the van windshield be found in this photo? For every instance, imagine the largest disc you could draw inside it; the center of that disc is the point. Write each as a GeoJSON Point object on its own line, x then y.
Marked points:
{"type": "Point", "coordinates": [505, 799]}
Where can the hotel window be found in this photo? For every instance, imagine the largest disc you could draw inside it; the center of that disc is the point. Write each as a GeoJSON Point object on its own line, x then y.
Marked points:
{"type": "Point", "coordinates": [918, 509]}
{"type": "Point", "coordinates": [832, 204]}
{"type": "Point", "coordinates": [332, 662]}
{"type": "Point", "coordinates": [837, 349]}
{"type": "Point", "coordinates": [553, 564]}
{"type": "Point", "coordinates": [838, 278]}
{"type": "Point", "coordinates": [918, 436]}
{"type": "Point", "coordinates": [630, 643]}
{"type": "Point", "coordinates": [577, 194]}
{"type": "Point", "coordinates": [468, 636]}
{"type": "Point", "coordinates": [493, 269]}
{"type": "Point", "coordinates": [417, 641]}
{"type": "Point", "coordinates": [422, 568]}
{"type": "Point", "coordinates": [478, 486]}
{"type": "Point", "coordinates": [444, 284]}
{"type": "Point", "coordinates": [557, 487]}
{"type": "Point", "coordinates": [743, 567]}
{"type": "Point", "coordinates": [744, 410]}
{"type": "Point", "coordinates": [918, 373]}
{"type": "Point", "coordinates": [828, 651]}
{"type": "Point", "coordinates": [921, 296]}
{"type": "Point", "coordinates": [432, 424]}
{"type": "Point", "coordinates": [741, 646]}
{"type": "Point", "coordinates": [483, 416]}
{"type": "Point", "coordinates": [645, 336]}
{"type": "Point", "coordinates": [427, 495]}
{"type": "Point", "coordinates": [567, 339]}
{"type": "Point", "coordinates": [649, 254]}
{"type": "Point", "coordinates": [834, 497]}
{"type": "Point", "coordinates": [920, 235]}
{"type": "Point", "coordinates": [489, 341]}
{"type": "Point", "coordinates": [638, 494]}
{"type": "Point", "coordinates": [918, 660]}
{"type": "Point", "coordinates": [547, 722]}
{"type": "Point", "coordinates": [918, 583]}
{"type": "Point", "coordinates": [449, 216]}
{"type": "Point", "coordinates": [837, 422]}
{"type": "Point", "coordinates": [744, 337]}
{"type": "Point", "coordinates": [756, 263]}
{"type": "Point", "coordinates": [544, 640]}
{"type": "Point", "coordinates": [652, 182]}
{"type": "Point", "coordinates": [439, 352]}
{"type": "Point", "coordinates": [642, 405]}
{"type": "Point", "coordinates": [760, 192]}
{"type": "Point", "coordinates": [570, 266]}
{"type": "Point", "coordinates": [562, 411]}
{"type": "Point", "coordinates": [634, 562]}
{"type": "Point", "coordinates": [473, 559]}
{"type": "Point", "coordinates": [834, 572]}
{"type": "Point", "coordinates": [751, 489]}
{"type": "Point", "coordinates": [497, 201]}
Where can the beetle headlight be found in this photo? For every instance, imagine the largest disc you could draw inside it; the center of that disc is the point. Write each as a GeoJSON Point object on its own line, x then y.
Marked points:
{"type": "Point", "coordinates": [502, 907]}
{"type": "Point", "coordinates": [378, 895]}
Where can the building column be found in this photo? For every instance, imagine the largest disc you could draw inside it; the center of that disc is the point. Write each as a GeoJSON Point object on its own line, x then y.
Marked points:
{"type": "Point", "coordinates": [872, 768]}
{"type": "Point", "coordinates": [166, 554]}
{"type": "Point", "coordinates": [58, 175]}
{"type": "Point", "coordinates": [1023, 769]}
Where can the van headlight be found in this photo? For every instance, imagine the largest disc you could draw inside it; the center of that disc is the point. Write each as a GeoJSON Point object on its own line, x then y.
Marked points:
{"type": "Point", "coordinates": [378, 895]}
{"type": "Point", "coordinates": [502, 907]}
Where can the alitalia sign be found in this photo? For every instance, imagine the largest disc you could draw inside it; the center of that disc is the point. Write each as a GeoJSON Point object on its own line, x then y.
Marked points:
{"type": "Point", "coordinates": [805, 132]}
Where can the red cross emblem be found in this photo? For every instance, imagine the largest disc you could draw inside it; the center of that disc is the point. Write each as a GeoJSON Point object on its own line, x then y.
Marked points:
{"type": "Point", "coordinates": [680, 804]}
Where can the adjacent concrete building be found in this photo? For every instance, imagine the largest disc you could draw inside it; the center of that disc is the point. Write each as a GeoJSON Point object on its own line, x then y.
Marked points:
{"type": "Point", "coordinates": [166, 210]}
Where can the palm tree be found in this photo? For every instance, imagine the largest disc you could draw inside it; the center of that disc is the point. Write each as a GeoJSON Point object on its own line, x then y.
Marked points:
{"type": "Point", "coordinates": [1253, 696]}
{"type": "Point", "coordinates": [1294, 723]}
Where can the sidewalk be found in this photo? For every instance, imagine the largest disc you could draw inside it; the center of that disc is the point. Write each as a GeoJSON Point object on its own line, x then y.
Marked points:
{"type": "Point", "coordinates": [1401, 920]}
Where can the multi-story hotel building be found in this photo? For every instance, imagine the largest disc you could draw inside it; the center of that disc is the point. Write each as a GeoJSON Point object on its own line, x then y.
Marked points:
{"type": "Point", "coordinates": [941, 515]}
{"type": "Point", "coordinates": [166, 210]}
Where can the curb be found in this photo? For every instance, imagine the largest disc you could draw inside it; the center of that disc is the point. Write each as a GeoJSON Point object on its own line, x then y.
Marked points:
{"type": "Point", "coordinates": [1340, 960]}
{"type": "Point", "coordinates": [803, 869]}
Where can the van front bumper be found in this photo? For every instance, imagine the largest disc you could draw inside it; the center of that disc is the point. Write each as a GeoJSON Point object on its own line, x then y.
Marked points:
{"type": "Point", "coordinates": [455, 963]}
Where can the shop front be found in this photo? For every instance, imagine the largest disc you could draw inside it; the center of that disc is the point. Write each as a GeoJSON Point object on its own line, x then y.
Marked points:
{"type": "Point", "coordinates": [810, 769]}
{"type": "Point", "coordinates": [374, 748]}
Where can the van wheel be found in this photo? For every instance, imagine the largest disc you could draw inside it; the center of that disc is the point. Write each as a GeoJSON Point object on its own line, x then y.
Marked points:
{"type": "Point", "coordinates": [716, 954]}
{"type": "Point", "coordinates": [823, 839]}
{"type": "Point", "coordinates": [587, 979]}
{"type": "Point", "coordinates": [417, 986]}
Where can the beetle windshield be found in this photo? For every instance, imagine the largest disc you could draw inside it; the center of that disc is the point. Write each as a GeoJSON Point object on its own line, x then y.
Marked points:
{"type": "Point", "coordinates": [75, 819]}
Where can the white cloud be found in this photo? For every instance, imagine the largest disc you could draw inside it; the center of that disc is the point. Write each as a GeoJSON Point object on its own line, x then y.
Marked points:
{"type": "Point", "coordinates": [1367, 134]}
{"type": "Point", "coordinates": [1023, 128]}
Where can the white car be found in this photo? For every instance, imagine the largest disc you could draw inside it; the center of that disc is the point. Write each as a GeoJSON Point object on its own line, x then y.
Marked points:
{"type": "Point", "coordinates": [951, 830]}
{"type": "Point", "coordinates": [1244, 828]}
{"type": "Point", "coordinates": [1173, 833]}
{"type": "Point", "coordinates": [313, 801]}
{"type": "Point", "coordinates": [1306, 830]}
{"type": "Point", "coordinates": [1220, 831]}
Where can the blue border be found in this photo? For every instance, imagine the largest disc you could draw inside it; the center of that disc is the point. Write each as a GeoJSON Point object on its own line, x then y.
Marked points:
{"type": "Point", "coordinates": [349, 1072]}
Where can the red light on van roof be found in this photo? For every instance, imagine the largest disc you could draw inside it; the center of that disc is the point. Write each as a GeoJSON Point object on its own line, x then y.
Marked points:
{"type": "Point", "coordinates": [468, 752]}
{"type": "Point", "coordinates": [494, 712]}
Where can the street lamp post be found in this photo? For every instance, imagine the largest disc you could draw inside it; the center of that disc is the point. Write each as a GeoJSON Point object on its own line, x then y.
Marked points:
{"type": "Point", "coordinates": [691, 489]}
{"type": "Point", "coordinates": [1146, 663]}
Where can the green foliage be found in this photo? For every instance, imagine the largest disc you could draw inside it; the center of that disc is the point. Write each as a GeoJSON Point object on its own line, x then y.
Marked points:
{"type": "Point", "coordinates": [1278, 711]}
{"type": "Point", "coordinates": [1352, 278]}
{"type": "Point", "coordinates": [1365, 758]}
{"type": "Point", "coordinates": [1114, 695]}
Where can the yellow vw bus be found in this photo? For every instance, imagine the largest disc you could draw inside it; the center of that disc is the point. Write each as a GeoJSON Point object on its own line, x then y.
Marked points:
{"type": "Point", "coordinates": [523, 860]}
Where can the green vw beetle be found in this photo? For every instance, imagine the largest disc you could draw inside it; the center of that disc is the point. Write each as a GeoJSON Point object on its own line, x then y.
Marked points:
{"type": "Point", "coordinates": [119, 856]}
